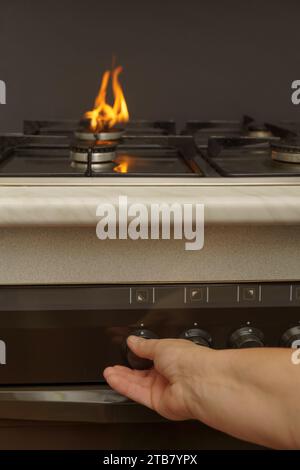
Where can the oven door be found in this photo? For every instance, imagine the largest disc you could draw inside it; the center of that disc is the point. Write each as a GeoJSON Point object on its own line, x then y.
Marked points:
{"type": "Point", "coordinates": [95, 417]}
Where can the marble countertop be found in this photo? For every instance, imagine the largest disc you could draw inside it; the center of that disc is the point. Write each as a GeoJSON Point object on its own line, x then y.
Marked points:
{"type": "Point", "coordinates": [69, 202]}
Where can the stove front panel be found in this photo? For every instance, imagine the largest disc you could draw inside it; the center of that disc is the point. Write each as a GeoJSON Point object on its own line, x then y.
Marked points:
{"type": "Point", "coordinates": [69, 334]}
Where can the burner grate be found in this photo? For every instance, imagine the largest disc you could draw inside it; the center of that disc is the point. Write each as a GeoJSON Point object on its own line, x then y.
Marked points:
{"type": "Point", "coordinates": [202, 131]}
{"type": "Point", "coordinates": [247, 156]}
{"type": "Point", "coordinates": [68, 127]}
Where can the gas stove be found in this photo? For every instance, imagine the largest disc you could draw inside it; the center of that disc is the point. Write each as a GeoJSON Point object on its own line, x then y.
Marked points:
{"type": "Point", "coordinates": [213, 149]}
{"type": "Point", "coordinates": [69, 301]}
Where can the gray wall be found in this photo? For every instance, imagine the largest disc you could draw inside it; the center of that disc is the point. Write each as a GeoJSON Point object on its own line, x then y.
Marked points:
{"type": "Point", "coordinates": [183, 59]}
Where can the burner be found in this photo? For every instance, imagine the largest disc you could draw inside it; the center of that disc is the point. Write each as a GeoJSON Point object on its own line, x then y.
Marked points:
{"type": "Point", "coordinates": [99, 151]}
{"type": "Point", "coordinates": [69, 127]}
{"type": "Point", "coordinates": [98, 148]}
{"type": "Point", "coordinates": [109, 134]}
{"type": "Point", "coordinates": [106, 167]}
{"type": "Point", "coordinates": [287, 151]}
{"type": "Point", "coordinates": [257, 130]}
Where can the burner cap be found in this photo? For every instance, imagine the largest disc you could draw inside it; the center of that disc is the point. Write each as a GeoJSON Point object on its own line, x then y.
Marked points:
{"type": "Point", "coordinates": [110, 134]}
{"type": "Point", "coordinates": [286, 151]}
{"type": "Point", "coordinates": [257, 130]}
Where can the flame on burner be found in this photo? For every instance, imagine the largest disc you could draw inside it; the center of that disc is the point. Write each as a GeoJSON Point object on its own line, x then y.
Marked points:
{"type": "Point", "coordinates": [122, 167]}
{"type": "Point", "coordinates": [104, 116]}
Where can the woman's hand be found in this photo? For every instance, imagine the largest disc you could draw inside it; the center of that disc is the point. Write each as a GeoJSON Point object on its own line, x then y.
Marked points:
{"type": "Point", "coordinates": [252, 394]}
{"type": "Point", "coordinates": [170, 387]}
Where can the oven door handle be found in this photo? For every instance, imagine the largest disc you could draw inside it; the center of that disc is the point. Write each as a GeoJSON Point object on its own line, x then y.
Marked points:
{"type": "Point", "coordinates": [97, 404]}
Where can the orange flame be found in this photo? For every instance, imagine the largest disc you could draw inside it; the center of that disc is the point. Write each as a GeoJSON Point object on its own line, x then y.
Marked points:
{"type": "Point", "coordinates": [105, 116]}
{"type": "Point", "coordinates": [122, 167]}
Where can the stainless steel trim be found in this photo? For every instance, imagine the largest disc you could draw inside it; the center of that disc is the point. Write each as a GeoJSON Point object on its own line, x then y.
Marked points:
{"type": "Point", "coordinates": [98, 404]}
{"type": "Point", "coordinates": [149, 182]}
{"type": "Point", "coordinates": [259, 293]}
{"type": "Point", "coordinates": [291, 292]}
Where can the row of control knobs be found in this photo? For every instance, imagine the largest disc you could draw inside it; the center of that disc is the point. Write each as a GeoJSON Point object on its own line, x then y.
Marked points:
{"type": "Point", "coordinates": [245, 337]}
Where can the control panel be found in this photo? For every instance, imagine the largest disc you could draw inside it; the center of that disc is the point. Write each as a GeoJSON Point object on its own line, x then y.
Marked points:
{"type": "Point", "coordinates": [244, 337]}
{"type": "Point", "coordinates": [80, 330]}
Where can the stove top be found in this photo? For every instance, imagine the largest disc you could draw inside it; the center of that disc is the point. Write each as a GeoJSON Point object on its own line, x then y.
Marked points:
{"type": "Point", "coordinates": [244, 148]}
{"type": "Point", "coordinates": [137, 156]}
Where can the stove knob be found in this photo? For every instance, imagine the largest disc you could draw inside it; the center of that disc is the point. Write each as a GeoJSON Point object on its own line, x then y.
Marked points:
{"type": "Point", "coordinates": [133, 360]}
{"type": "Point", "coordinates": [290, 336]}
{"type": "Point", "coordinates": [246, 337]}
{"type": "Point", "coordinates": [197, 336]}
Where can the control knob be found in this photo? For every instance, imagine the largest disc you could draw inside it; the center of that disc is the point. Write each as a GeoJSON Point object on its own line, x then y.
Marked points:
{"type": "Point", "coordinates": [247, 337]}
{"type": "Point", "coordinates": [290, 337]}
{"type": "Point", "coordinates": [197, 336]}
{"type": "Point", "coordinates": [134, 361]}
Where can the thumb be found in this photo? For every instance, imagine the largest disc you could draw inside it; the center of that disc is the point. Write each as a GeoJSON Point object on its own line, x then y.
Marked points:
{"type": "Point", "coordinates": [142, 347]}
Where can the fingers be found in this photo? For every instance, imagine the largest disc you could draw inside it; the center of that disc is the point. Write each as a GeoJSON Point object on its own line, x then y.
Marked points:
{"type": "Point", "coordinates": [144, 348]}
{"type": "Point", "coordinates": [134, 375]}
{"type": "Point", "coordinates": [133, 372]}
{"type": "Point", "coordinates": [129, 383]}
